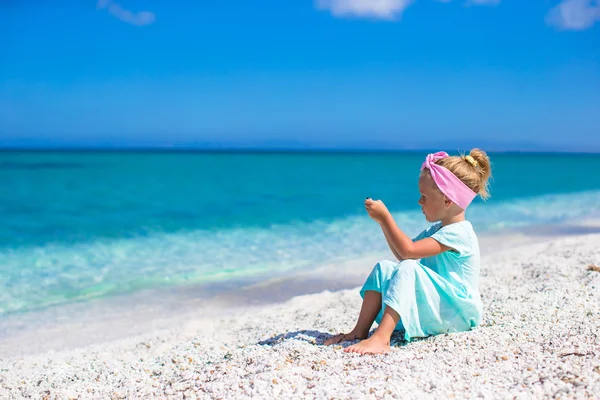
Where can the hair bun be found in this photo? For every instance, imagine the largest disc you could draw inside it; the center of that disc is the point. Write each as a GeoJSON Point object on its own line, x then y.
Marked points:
{"type": "Point", "coordinates": [484, 169]}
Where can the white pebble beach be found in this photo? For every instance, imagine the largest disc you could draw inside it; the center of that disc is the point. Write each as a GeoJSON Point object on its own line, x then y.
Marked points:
{"type": "Point", "coordinates": [539, 339]}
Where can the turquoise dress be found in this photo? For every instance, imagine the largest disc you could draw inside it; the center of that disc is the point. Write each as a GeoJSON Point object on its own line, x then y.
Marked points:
{"type": "Point", "coordinates": [435, 295]}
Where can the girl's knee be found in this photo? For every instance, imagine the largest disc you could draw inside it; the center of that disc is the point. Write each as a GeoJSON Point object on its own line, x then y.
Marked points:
{"type": "Point", "coordinates": [382, 272]}
{"type": "Point", "coordinates": [408, 264]}
{"type": "Point", "coordinates": [384, 267]}
{"type": "Point", "coordinates": [404, 274]}
{"type": "Point", "coordinates": [407, 267]}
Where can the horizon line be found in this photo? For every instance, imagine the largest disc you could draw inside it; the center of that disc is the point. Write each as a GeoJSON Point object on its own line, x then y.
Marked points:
{"type": "Point", "coordinates": [260, 150]}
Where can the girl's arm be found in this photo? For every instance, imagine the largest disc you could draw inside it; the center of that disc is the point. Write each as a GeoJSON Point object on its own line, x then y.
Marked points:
{"type": "Point", "coordinates": [389, 242]}
{"type": "Point", "coordinates": [405, 247]}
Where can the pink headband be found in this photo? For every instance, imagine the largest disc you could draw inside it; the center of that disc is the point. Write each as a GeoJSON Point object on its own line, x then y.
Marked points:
{"type": "Point", "coordinates": [447, 182]}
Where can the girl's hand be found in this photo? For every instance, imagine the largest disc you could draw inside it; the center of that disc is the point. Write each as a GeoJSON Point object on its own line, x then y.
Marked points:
{"type": "Point", "coordinates": [376, 209]}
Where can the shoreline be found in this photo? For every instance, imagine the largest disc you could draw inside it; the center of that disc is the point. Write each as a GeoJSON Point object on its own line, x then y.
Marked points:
{"type": "Point", "coordinates": [106, 320]}
{"type": "Point", "coordinates": [539, 338]}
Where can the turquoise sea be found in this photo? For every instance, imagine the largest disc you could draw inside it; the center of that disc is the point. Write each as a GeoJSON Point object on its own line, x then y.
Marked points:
{"type": "Point", "coordinates": [82, 225]}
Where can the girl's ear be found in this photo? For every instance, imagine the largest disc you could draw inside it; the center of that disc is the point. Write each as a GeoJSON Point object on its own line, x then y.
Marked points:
{"type": "Point", "coordinates": [447, 202]}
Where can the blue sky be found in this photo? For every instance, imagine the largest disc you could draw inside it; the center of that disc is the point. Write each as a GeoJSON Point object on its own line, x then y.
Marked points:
{"type": "Point", "coordinates": [509, 74]}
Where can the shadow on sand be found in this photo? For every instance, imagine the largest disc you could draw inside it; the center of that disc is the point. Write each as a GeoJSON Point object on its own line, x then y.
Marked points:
{"type": "Point", "coordinates": [317, 338]}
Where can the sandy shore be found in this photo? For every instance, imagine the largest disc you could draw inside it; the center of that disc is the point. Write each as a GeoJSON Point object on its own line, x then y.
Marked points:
{"type": "Point", "coordinates": [540, 337]}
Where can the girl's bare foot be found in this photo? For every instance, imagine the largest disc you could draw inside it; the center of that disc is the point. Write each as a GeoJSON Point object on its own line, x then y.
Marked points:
{"type": "Point", "coordinates": [373, 345]}
{"type": "Point", "coordinates": [344, 337]}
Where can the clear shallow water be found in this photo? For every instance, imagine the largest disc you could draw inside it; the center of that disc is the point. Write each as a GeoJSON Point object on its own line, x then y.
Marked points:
{"type": "Point", "coordinates": [93, 224]}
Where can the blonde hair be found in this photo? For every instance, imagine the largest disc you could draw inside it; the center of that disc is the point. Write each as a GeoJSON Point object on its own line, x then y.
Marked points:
{"type": "Point", "coordinates": [474, 170]}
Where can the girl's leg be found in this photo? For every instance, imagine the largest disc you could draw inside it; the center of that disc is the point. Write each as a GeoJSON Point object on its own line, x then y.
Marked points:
{"type": "Point", "coordinates": [371, 306]}
{"type": "Point", "coordinates": [379, 342]}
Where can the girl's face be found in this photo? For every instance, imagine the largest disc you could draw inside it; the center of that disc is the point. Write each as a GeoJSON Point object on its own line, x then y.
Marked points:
{"type": "Point", "coordinates": [433, 202]}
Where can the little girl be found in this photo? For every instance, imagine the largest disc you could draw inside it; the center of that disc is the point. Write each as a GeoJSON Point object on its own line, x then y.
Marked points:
{"type": "Point", "coordinates": [439, 293]}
